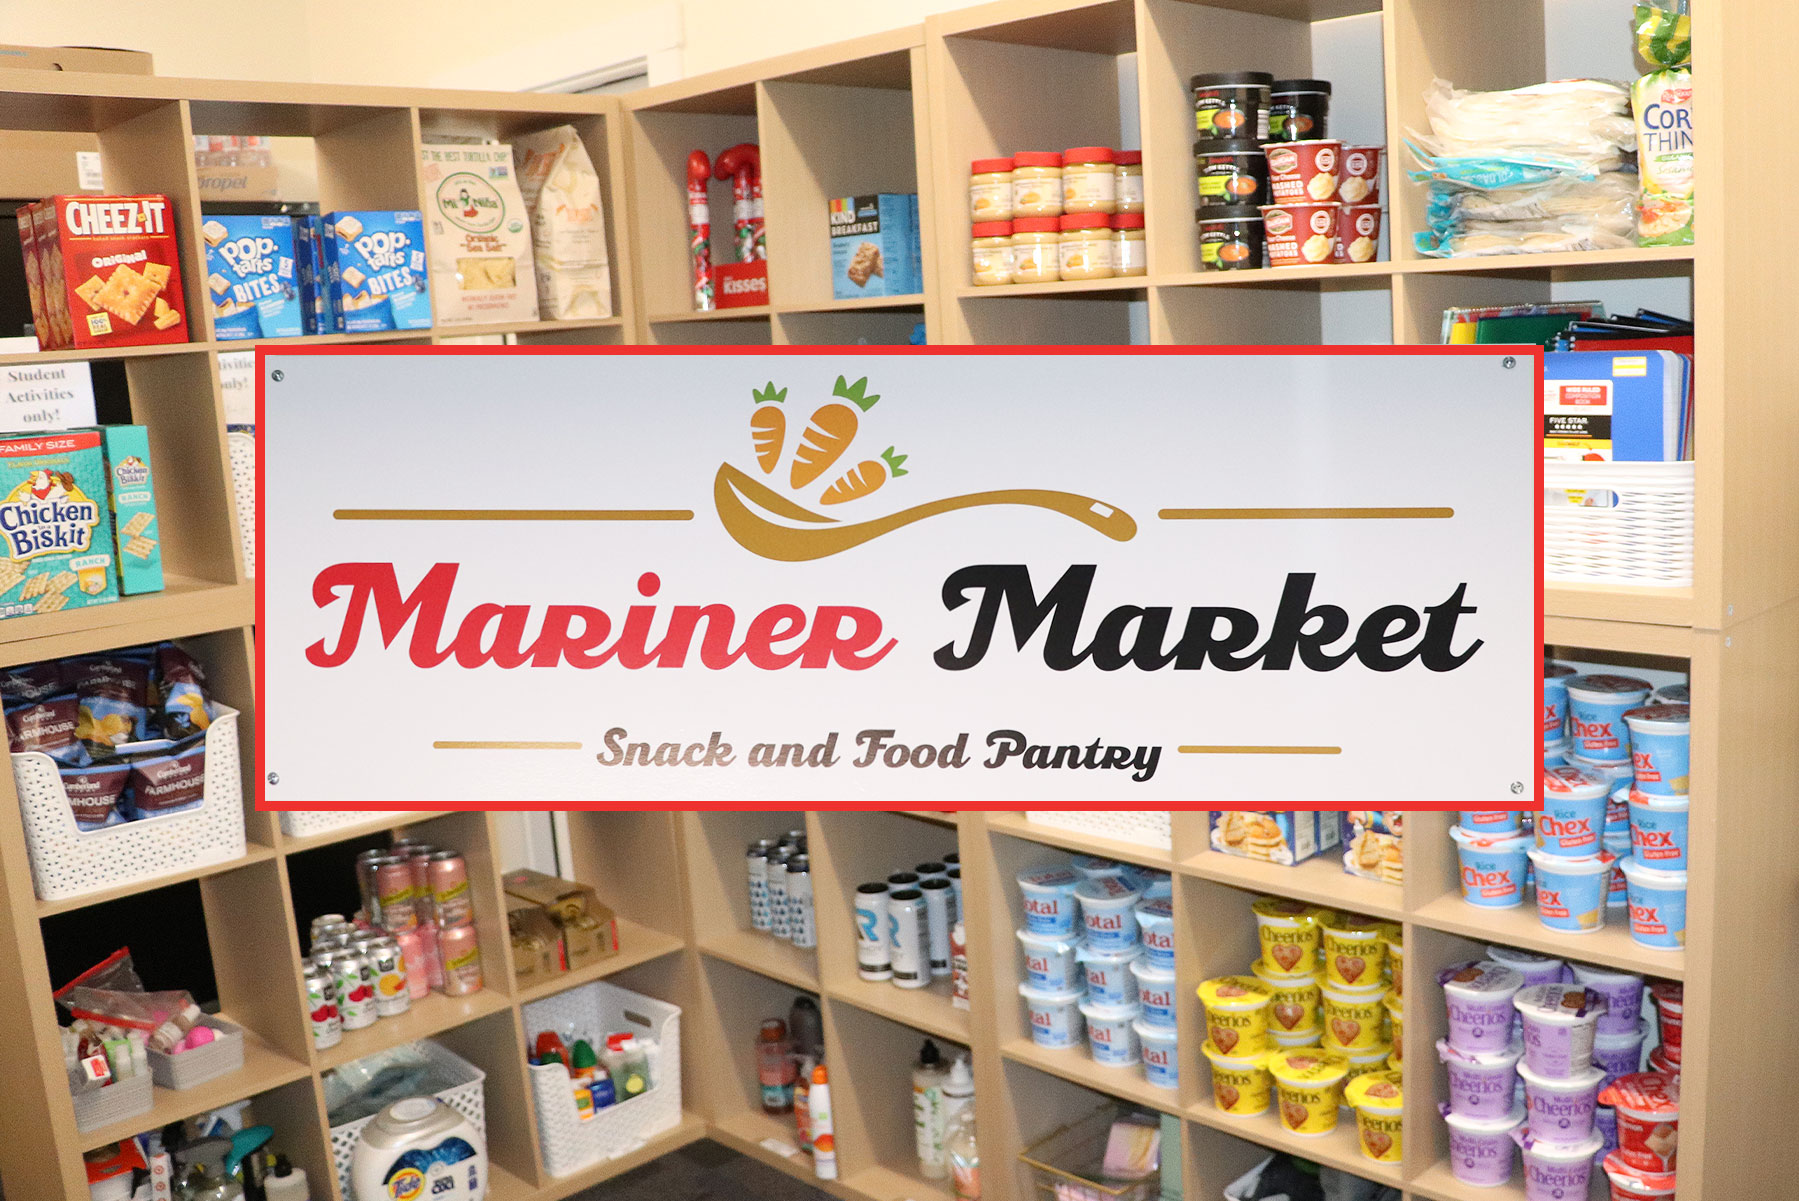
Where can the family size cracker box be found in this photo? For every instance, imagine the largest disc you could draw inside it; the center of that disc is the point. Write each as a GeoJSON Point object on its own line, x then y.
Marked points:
{"type": "Point", "coordinates": [110, 271]}
{"type": "Point", "coordinates": [131, 490]}
{"type": "Point", "coordinates": [56, 537]}
{"type": "Point", "coordinates": [375, 265]}
{"type": "Point", "coordinates": [478, 234]}
{"type": "Point", "coordinates": [252, 278]}
{"type": "Point", "coordinates": [874, 246]}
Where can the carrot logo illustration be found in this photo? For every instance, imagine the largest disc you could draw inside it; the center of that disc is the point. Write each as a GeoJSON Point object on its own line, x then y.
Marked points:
{"type": "Point", "coordinates": [774, 524]}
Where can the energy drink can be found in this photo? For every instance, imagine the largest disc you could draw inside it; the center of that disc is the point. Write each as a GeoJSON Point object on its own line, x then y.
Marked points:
{"type": "Point", "coordinates": [899, 880]}
{"type": "Point", "coordinates": [321, 1008]}
{"type": "Point", "coordinates": [755, 862]}
{"type": "Point", "coordinates": [447, 873]}
{"type": "Point", "coordinates": [777, 892]}
{"type": "Point", "coordinates": [911, 942]}
{"type": "Point", "coordinates": [355, 984]}
{"type": "Point", "coordinates": [796, 838]}
{"type": "Point", "coordinates": [939, 900]}
{"type": "Point", "coordinates": [932, 871]}
{"type": "Point", "coordinates": [392, 998]}
{"type": "Point", "coordinates": [874, 949]}
{"type": "Point", "coordinates": [461, 952]}
{"type": "Point", "coordinates": [802, 922]}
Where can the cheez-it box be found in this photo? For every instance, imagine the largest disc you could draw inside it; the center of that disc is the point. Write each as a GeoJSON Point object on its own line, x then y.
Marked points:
{"type": "Point", "coordinates": [110, 269]}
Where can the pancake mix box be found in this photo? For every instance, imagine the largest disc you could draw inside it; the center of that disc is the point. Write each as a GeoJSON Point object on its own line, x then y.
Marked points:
{"type": "Point", "coordinates": [1275, 837]}
{"type": "Point", "coordinates": [56, 536]}
{"type": "Point", "coordinates": [110, 271]}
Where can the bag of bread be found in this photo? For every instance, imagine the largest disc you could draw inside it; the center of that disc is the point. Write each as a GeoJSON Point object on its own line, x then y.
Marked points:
{"type": "Point", "coordinates": [477, 235]}
{"type": "Point", "coordinates": [568, 223]}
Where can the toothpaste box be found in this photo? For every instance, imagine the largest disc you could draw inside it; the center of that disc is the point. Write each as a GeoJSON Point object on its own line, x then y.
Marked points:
{"type": "Point", "coordinates": [1283, 838]}
{"type": "Point", "coordinates": [132, 491]}
{"type": "Point", "coordinates": [375, 265]}
{"type": "Point", "coordinates": [252, 278]}
{"type": "Point", "coordinates": [874, 246]}
{"type": "Point", "coordinates": [110, 272]}
{"type": "Point", "coordinates": [56, 539]}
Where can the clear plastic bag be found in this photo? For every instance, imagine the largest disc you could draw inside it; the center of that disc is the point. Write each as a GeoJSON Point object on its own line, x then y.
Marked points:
{"type": "Point", "coordinates": [1608, 201]}
{"type": "Point", "coordinates": [1582, 122]}
{"type": "Point", "coordinates": [1494, 172]}
{"type": "Point", "coordinates": [110, 996]}
{"type": "Point", "coordinates": [1519, 237]}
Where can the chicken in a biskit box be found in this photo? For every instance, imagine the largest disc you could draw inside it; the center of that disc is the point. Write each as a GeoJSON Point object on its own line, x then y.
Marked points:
{"type": "Point", "coordinates": [55, 527]}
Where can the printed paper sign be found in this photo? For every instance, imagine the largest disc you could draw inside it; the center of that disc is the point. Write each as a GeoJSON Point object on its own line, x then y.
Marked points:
{"type": "Point", "coordinates": [850, 578]}
{"type": "Point", "coordinates": [46, 396]}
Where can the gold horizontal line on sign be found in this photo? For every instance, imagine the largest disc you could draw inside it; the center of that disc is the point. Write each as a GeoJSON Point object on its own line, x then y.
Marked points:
{"type": "Point", "coordinates": [513, 514]}
{"type": "Point", "coordinates": [449, 745]}
{"type": "Point", "coordinates": [1261, 750]}
{"type": "Point", "coordinates": [1401, 514]}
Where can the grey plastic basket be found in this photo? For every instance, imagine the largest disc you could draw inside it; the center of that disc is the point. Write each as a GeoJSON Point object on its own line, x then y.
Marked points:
{"type": "Point", "coordinates": [114, 1103]}
{"type": "Point", "coordinates": [223, 1054]}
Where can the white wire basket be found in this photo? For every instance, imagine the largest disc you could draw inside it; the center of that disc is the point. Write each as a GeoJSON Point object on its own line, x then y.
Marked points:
{"type": "Point", "coordinates": [468, 1097]}
{"type": "Point", "coordinates": [1618, 523]}
{"type": "Point", "coordinates": [1150, 828]}
{"type": "Point", "coordinates": [304, 823]}
{"type": "Point", "coordinates": [67, 861]}
{"type": "Point", "coordinates": [594, 1011]}
{"type": "Point", "coordinates": [243, 485]}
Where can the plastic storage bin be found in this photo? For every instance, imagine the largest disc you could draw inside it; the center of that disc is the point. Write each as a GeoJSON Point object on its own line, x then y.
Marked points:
{"type": "Point", "coordinates": [223, 1054]}
{"type": "Point", "coordinates": [67, 861]}
{"type": "Point", "coordinates": [1065, 1166]}
{"type": "Point", "coordinates": [243, 487]}
{"type": "Point", "coordinates": [114, 1103]}
{"type": "Point", "coordinates": [468, 1097]}
{"type": "Point", "coordinates": [599, 1009]}
{"type": "Point", "coordinates": [1150, 828]}
{"type": "Point", "coordinates": [1618, 523]}
{"type": "Point", "coordinates": [304, 823]}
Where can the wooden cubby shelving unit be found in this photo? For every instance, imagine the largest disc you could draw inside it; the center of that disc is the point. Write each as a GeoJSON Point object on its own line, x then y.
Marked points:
{"type": "Point", "coordinates": [901, 111]}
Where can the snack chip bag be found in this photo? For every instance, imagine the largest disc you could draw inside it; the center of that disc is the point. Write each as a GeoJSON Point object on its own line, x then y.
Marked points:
{"type": "Point", "coordinates": [185, 709]}
{"type": "Point", "coordinates": [169, 781]}
{"type": "Point", "coordinates": [1663, 103]}
{"type": "Point", "coordinates": [114, 693]}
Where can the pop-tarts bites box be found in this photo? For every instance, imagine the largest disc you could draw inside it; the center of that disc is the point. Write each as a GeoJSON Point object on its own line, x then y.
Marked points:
{"type": "Point", "coordinates": [375, 262]}
{"type": "Point", "coordinates": [251, 277]}
{"type": "Point", "coordinates": [131, 488]}
{"type": "Point", "coordinates": [478, 234]}
{"type": "Point", "coordinates": [112, 266]}
{"type": "Point", "coordinates": [55, 529]}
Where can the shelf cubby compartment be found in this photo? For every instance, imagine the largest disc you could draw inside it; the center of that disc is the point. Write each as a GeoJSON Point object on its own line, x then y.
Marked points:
{"type": "Point", "coordinates": [722, 1014]}
{"type": "Point", "coordinates": [870, 1079]}
{"type": "Point", "coordinates": [630, 856]}
{"type": "Point", "coordinates": [888, 321]}
{"type": "Point", "coordinates": [715, 841]}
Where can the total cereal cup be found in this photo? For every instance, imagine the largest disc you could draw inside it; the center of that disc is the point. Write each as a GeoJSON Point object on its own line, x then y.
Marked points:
{"type": "Point", "coordinates": [1555, 700]}
{"type": "Point", "coordinates": [1560, 1109]}
{"type": "Point", "coordinates": [1155, 927]}
{"type": "Point", "coordinates": [1241, 1085]}
{"type": "Point", "coordinates": [1309, 1083]}
{"type": "Point", "coordinates": [1492, 867]}
{"type": "Point", "coordinates": [1049, 964]}
{"type": "Point", "coordinates": [1108, 912]}
{"type": "Point", "coordinates": [1055, 1016]}
{"type": "Point", "coordinates": [1155, 993]}
{"type": "Point", "coordinates": [1091, 867]}
{"type": "Point", "coordinates": [1571, 893]}
{"type": "Point", "coordinates": [1300, 233]}
{"type": "Point", "coordinates": [1659, 746]}
{"type": "Point", "coordinates": [1378, 1099]}
{"type": "Point", "coordinates": [1110, 1038]}
{"type": "Point", "coordinates": [1358, 233]}
{"type": "Point", "coordinates": [1658, 906]}
{"type": "Point", "coordinates": [1049, 904]}
{"type": "Point", "coordinates": [1479, 998]}
{"type": "Point", "coordinates": [1574, 811]}
{"type": "Point", "coordinates": [1355, 952]}
{"type": "Point", "coordinates": [1289, 933]}
{"type": "Point", "coordinates": [1670, 1003]}
{"type": "Point", "coordinates": [1556, 1171]}
{"type": "Point", "coordinates": [1623, 993]}
{"type": "Point", "coordinates": [1303, 172]}
{"type": "Point", "coordinates": [1481, 1149]}
{"type": "Point", "coordinates": [1560, 1022]}
{"type": "Point", "coordinates": [1596, 708]}
{"type": "Point", "coordinates": [1353, 1017]}
{"type": "Point", "coordinates": [1482, 1086]}
{"type": "Point", "coordinates": [1161, 1060]}
{"type": "Point", "coordinates": [1632, 1184]}
{"type": "Point", "coordinates": [1109, 979]}
{"type": "Point", "coordinates": [1648, 1109]}
{"type": "Point", "coordinates": [1236, 1013]}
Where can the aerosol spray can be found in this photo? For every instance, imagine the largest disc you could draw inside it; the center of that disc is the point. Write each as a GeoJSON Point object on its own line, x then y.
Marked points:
{"type": "Point", "coordinates": [802, 922]}
{"type": "Point", "coordinates": [874, 949]}
{"type": "Point", "coordinates": [756, 865]}
{"type": "Point", "coordinates": [911, 942]}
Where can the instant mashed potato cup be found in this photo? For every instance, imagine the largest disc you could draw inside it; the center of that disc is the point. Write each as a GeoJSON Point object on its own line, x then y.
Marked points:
{"type": "Point", "coordinates": [1358, 233]}
{"type": "Point", "coordinates": [1301, 172]}
{"type": "Point", "coordinates": [1355, 951]}
{"type": "Point", "coordinates": [1296, 1001]}
{"type": "Point", "coordinates": [1236, 1013]}
{"type": "Point", "coordinates": [1309, 1084]}
{"type": "Point", "coordinates": [1241, 1085]}
{"type": "Point", "coordinates": [1378, 1099]}
{"type": "Point", "coordinates": [1289, 933]}
{"type": "Point", "coordinates": [1300, 233]}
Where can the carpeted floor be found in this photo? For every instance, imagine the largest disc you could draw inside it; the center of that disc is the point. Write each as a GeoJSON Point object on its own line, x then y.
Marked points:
{"type": "Point", "coordinates": [704, 1171]}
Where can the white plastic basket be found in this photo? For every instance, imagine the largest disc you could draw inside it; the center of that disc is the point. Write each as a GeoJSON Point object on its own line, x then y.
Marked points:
{"type": "Point", "coordinates": [114, 1103]}
{"type": "Point", "coordinates": [190, 1068]}
{"type": "Point", "coordinates": [243, 486]}
{"type": "Point", "coordinates": [596, 1010]}
{"type": "Point", "coordinates": [1150, 828]}
{"type": "Point", "coordinates": [1618, 523]}
{"type": "Point", "coordinates": [469, 1098]}
{"type": "Point", "coordinates": [67, 861]}
{"type": "Point", "coordinates": [304, 823]}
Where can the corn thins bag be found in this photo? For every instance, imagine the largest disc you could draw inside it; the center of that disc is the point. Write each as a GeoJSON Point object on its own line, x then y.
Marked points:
{"type": "Point", "coordinates": [568, 224]}
{"type": "Point", "coordinates": [1663, 103]}
{"type": "Point", "coordinates": [476, 233]}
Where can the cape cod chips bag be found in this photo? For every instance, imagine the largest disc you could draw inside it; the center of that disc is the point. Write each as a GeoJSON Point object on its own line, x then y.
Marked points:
{"type": "Point", "coordinates": [477, 236]}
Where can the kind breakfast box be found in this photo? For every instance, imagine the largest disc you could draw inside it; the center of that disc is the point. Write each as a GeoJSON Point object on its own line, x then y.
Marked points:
{"type": "Point", "coordinates": [132, 497]}
{"type": "Point", "coordinates": [109, 268]}
{"type": "Point", "coordinates": [375, 264]}
{"type": "Point", "coordinates": [478, 235]}
{"type": "Point", "coordinates": [1283, 838]}
{"type": "Point", "coordinates": [56, 535]}
{"type": "Point", "coordinates": [874, 246]}
{"type": "Point", "coordinates": [252, 277]}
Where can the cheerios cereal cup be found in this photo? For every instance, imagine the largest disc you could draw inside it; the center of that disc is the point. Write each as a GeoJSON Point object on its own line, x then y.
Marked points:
{"type": "Point", "coordinates": [1241, 1085]}
{"type": "Point", "coordinates": [1289, 934]}
{"type": "Point", "coordinates": [1393, 938]}
{"type": "Point", "coordinates": [1236, 1013]}
{"type": "Point", "coordinates": [1378, 1101]}
{"type": "Point", "coordinates": [1374, 1059]}
{"type": "Point", "coordinates": [1296, 1000]}
{"type": "Point", "coordinates": [1309, 1083]}
{"type": "Point", "coordinates": [1353, 1017]}
{"type": "Point", "coordinates": [1355, 953]}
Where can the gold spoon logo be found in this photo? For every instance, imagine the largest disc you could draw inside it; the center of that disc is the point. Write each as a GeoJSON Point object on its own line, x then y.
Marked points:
{"type": "Point", "coordinates": [767, 523]}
